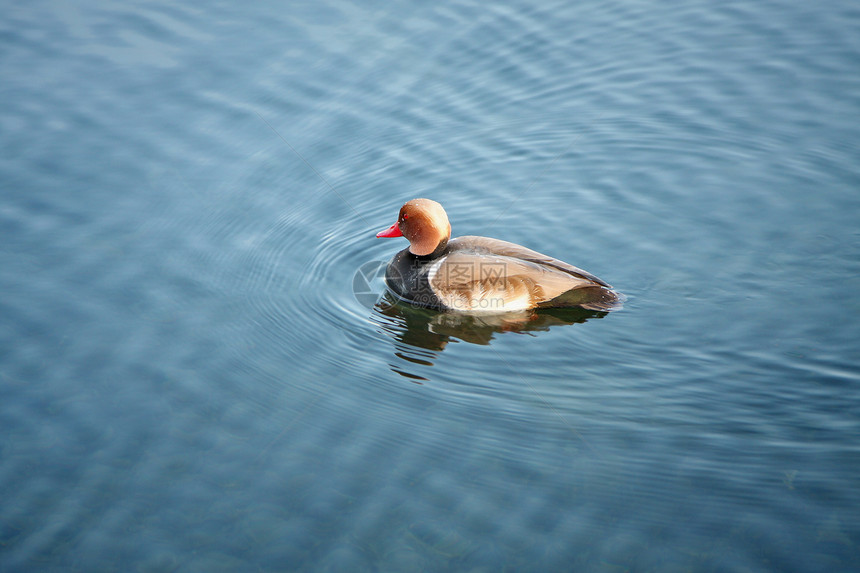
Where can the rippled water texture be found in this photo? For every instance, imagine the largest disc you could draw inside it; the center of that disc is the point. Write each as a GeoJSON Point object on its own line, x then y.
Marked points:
{"type": "Point", "coordinates": [199, 369]}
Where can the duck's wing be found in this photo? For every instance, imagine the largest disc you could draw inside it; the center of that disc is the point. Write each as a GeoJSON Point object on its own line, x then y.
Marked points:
{"type": "Point", "coordinates": [488, 282]}
{"type": "Point", "coordinates": [486, 245]}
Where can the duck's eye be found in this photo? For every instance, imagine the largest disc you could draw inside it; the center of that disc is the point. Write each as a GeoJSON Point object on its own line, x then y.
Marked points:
{"type": "Point", "coordinates": [404, 217]}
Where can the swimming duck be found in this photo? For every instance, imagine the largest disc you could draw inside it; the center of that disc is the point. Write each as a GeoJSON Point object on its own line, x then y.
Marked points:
{"type": "Point", "coordinates": [479, 274]}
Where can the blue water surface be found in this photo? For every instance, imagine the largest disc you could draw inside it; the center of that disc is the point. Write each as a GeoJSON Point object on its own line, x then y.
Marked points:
{"type": "Point", "coordinates": [199, 370]}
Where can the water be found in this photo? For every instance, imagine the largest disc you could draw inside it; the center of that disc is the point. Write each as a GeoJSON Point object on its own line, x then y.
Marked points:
{"type": "Point", "coordinates": [189, 383]}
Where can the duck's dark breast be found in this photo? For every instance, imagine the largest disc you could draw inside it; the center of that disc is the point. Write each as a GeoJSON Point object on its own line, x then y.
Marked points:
{"type": "Point", "coordinates": [406, 276]}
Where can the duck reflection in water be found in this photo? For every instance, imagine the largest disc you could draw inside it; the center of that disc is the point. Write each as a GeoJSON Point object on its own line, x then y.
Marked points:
{"type": "Point", "coordinates": [420, 333]}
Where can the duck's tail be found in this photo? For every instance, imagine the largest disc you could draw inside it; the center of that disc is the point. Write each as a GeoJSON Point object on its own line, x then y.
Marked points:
{"type": "Point", "coordinates": [590, 298]}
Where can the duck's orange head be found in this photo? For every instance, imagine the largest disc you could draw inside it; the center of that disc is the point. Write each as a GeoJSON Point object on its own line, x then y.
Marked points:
{"type": "Point", "coordinates": [425, 223]}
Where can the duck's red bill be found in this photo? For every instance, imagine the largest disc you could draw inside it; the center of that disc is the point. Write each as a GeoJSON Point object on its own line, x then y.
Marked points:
{"type": "Point", "coordinates": [392, 231]}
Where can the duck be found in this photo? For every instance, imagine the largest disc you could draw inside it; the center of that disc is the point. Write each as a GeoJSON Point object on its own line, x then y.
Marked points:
{"type": "Point", "coordinates": [479, 275]}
